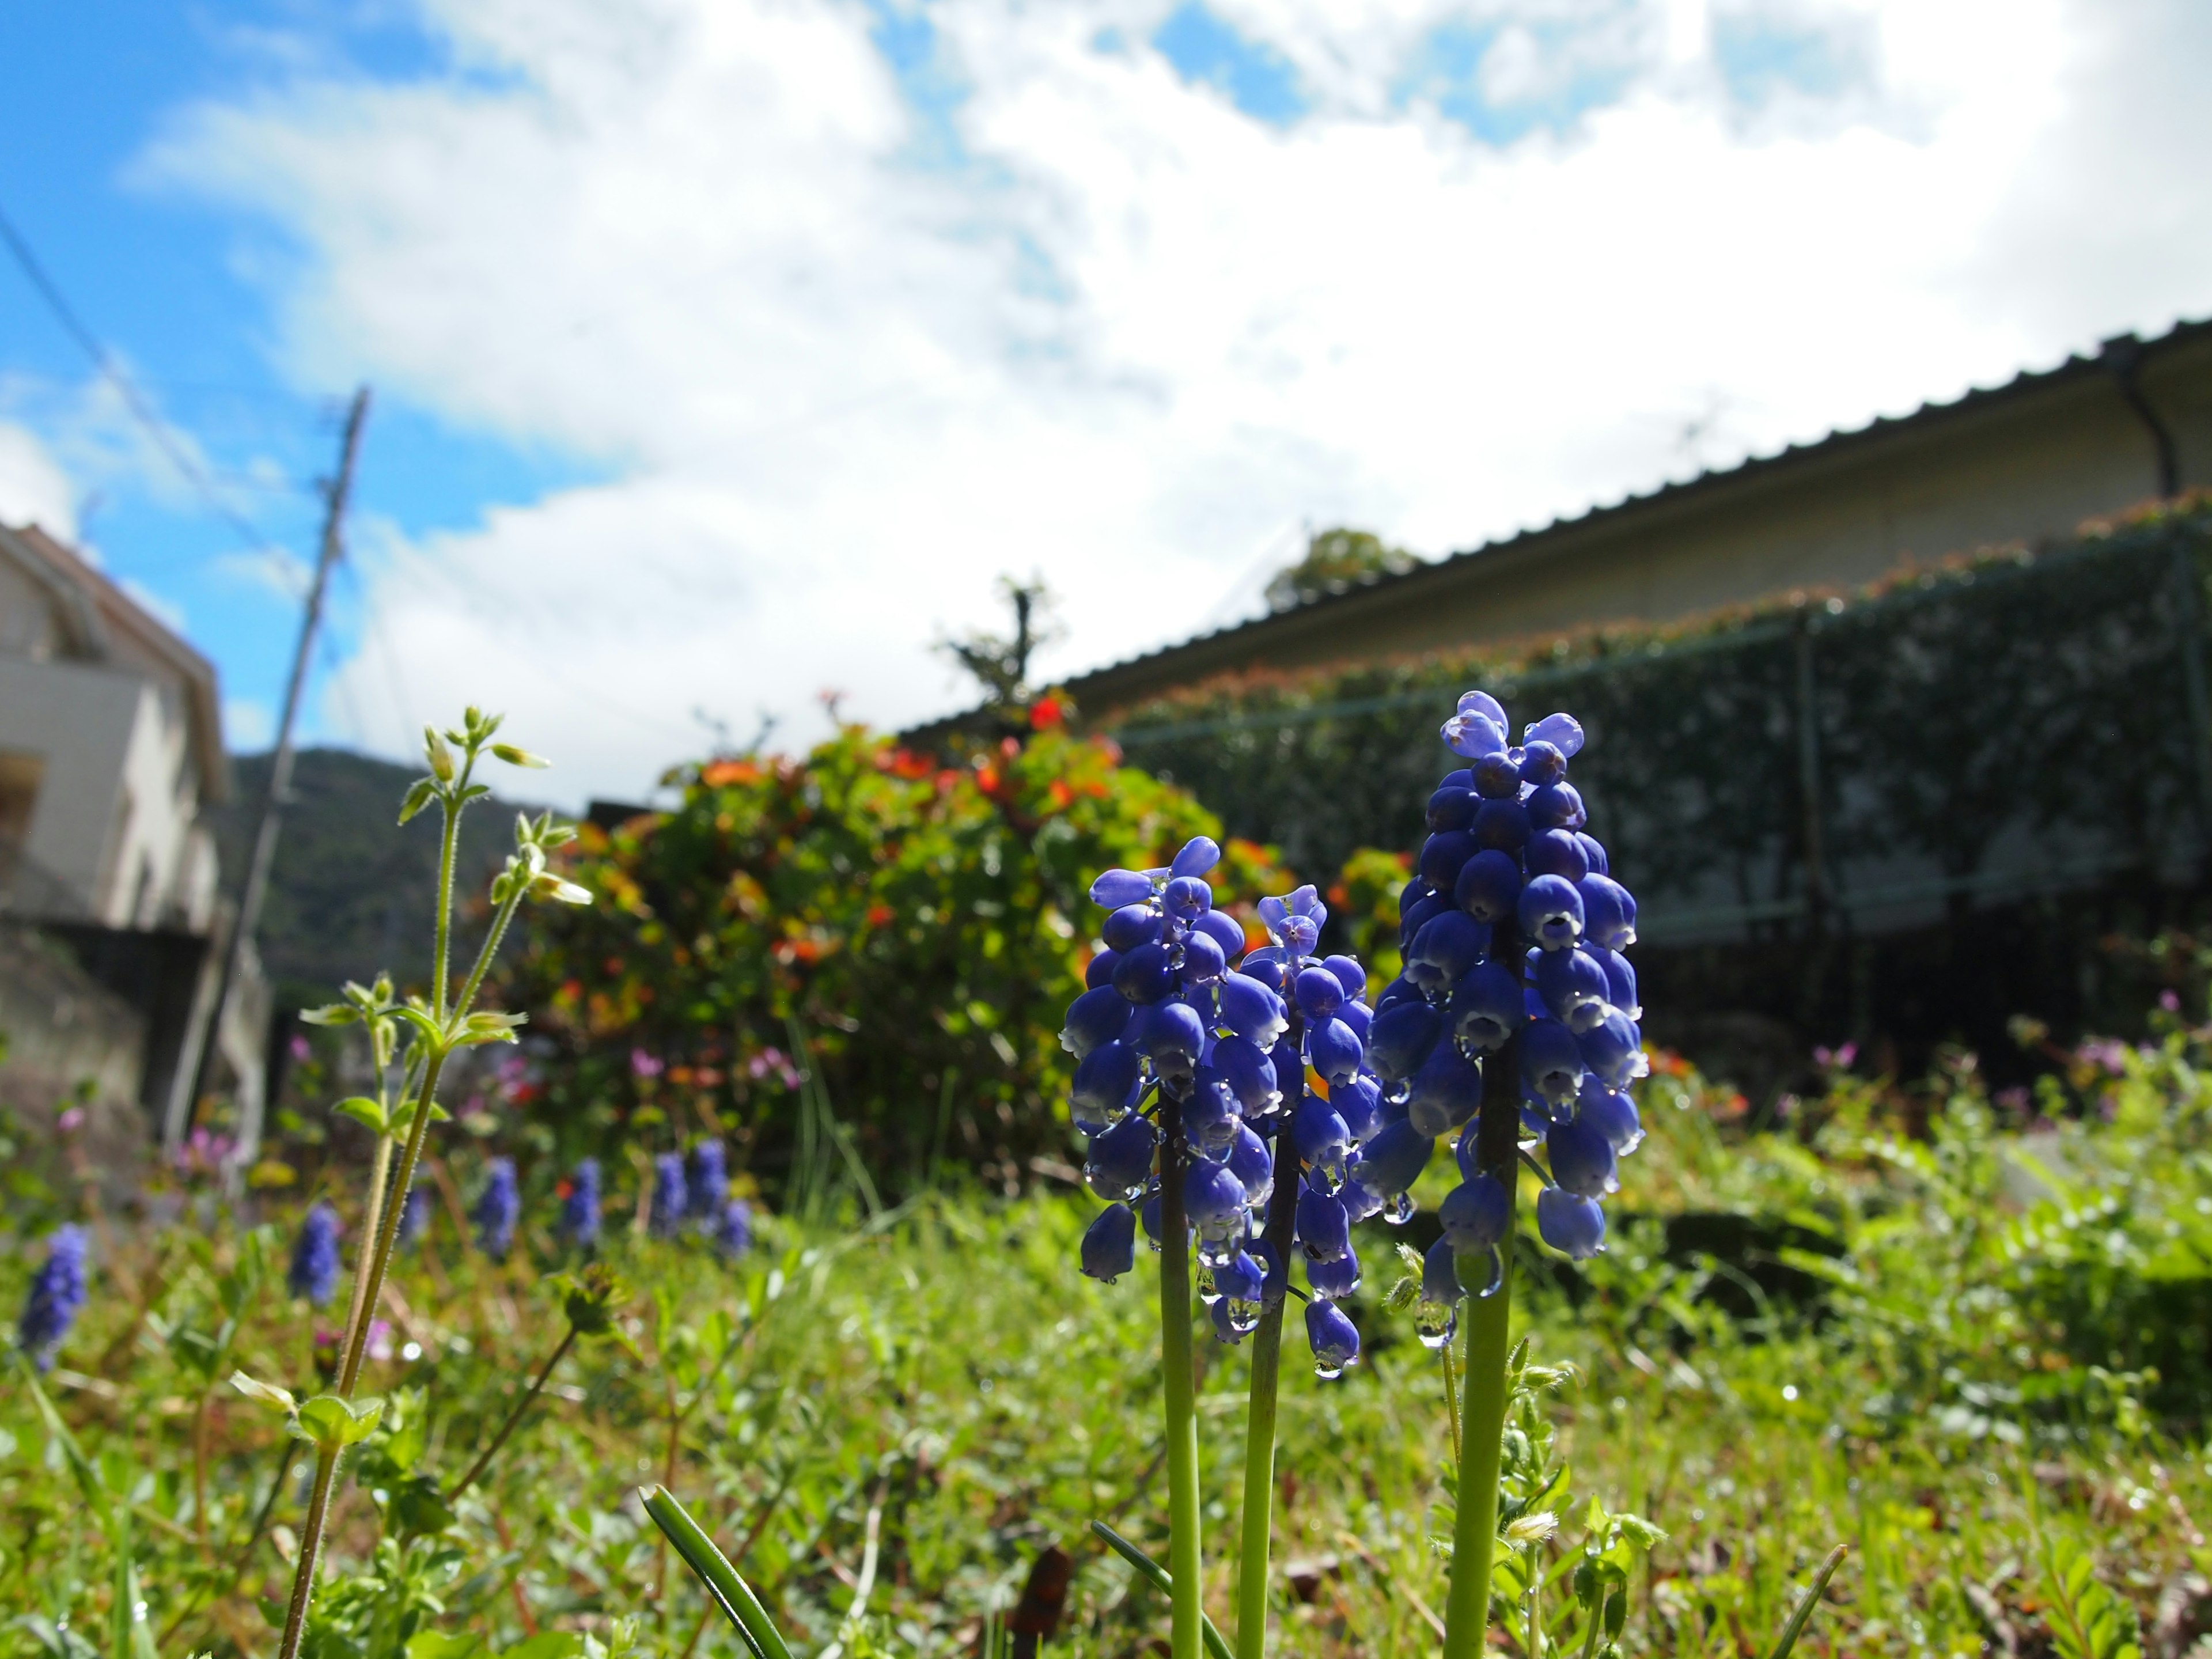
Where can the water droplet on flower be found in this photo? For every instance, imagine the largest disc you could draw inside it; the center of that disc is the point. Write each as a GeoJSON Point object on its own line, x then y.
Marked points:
{"type": "Point", "coordinates": [1398, 1210]}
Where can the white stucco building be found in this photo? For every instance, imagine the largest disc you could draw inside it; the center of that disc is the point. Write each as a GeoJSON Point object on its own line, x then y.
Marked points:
{"type": "Point", "coordinates": [111, 745]}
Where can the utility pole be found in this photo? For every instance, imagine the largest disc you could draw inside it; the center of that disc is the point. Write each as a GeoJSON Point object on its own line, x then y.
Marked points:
{"type": "Point", "coordinates": [196, 1062]}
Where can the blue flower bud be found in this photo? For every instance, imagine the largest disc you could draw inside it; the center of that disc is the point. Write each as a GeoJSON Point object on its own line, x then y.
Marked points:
{"type": "Point", "coordinates": [1324, 1230]}
{"type": "Point", "coordinates": [1612, 1114]}
{"type": "Point", "coordinates": [1199, 855]}
{"type": "Point", "coordinates": [1542, 763]}
{"type": "Point", "coordinates": [710, 1179]}
{"type": "Point", "coordinates": [1445, 1093]}
{"type": "Point", "coordinates": [1486, 1008]}
{"type": "Point", "coordinates": [1573, 986]}
{"type": "Point", "coordinates": [1333, 1052]}
{"type": "Point", "coordinates": [1130, 925]}
{"type": "Point", "coordinates": [1120, 1160]}
{"type": "Point", "coordinates": [1224, 930]}
{"type": "Point", "coordinates": [1573, 1226]}
{"type": "Point", "coordinates": [1401, 1039]}
{"type": "Point", "coordinates": [1334, 1337]}
{"type": "Point", "coordinates": [1212, 1194]}
{"type": "Point", "coordinates": [1489, 886]}
{"type": "Point", "coordinates": [1250, 1074]}
{"type": "Point", "coordinates": [1107, 1084]}
{"type": "Point", "coordinates": [1557, 807]}
{"type": "Point", "coordinates": [1614, 1050]}
{"type": "Point", "coordinates": [1445, 949]}
{"type": "Point", "coordinates": [1582, 1158]}
{"type": "Point", "coordinates": [1552, 1064]}
{"type": "Point", "coordinates": [1146, 974]}
{"type": "Point", "coordinates": [1503, 826]}
{"type": "Point", "coordinates": [1334, 1278]}
{"type": "Point", "coordinates": [1477, 1213]}
{"type": "Point", "coordinates": [1187, 898]}
{"type": "Point", "coordinates": [1562, 731]}
{"type": "Point", "coordinates": [1594, 850]}
{"type": "Point", "coordinates": [1551, 912]}
{"type": "Point", "coordinates": [1359, 1102]}
{"type": "Point", "coordinates": [1095, 1018]}
{"type": "Point", "coordinates": [1109, 1245]}
{"type": "Point", "coordinates": [1203, 960]}
{"type": "Point", "coordinates": [1394, 1160]}
{"type": "Point", "coordinates": [1120, 887]}
{"type": "Point", "coordinates": [1609, 912]}
{"type": "Point", "coordinates": [1320, 1133]}
{"type": "Point", "coordinates": [1557, 853]}
{"type": "Point", "coordinates": [1251, 1162]}
{"type": "Point", "coordinates": [1452, 808]}
{"type": "Point", "coordinates": [1443, 855]}
{"type": "Point", "coordinates": [1251, 1009]}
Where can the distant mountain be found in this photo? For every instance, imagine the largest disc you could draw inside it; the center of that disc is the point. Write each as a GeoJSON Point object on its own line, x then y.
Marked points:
{"type": "Point", "coordinates": [351, 892]}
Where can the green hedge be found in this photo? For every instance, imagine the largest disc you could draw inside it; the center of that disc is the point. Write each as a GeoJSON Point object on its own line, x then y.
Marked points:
{"type": "Point", "coordinates": [2013, 722]}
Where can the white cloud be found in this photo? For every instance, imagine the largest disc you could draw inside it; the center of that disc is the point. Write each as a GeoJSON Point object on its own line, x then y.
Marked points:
{"type": "Point", "coordinates": [843, 372]}
{"type": "Point", "coordinates": [248, 727]}
{"type": "Point", "coordinates": [33, 488]}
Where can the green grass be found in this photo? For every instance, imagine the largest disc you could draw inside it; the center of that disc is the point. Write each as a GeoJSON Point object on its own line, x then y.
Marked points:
{"type": "Point", "coordinates": [1905, 1378]}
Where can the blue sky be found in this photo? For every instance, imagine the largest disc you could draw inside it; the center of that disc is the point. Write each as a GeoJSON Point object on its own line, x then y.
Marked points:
{"type": "Point", "coordinates": [179, 292]}
{"type": "Point", "coordinates": [887, 297]}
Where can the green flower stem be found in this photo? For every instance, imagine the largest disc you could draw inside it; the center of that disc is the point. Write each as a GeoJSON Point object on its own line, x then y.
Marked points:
{"type": "Point", "coordinates": [1260, 1434]}
{"type": "Point", "coordinates": [536, 1388]}
{"type": "Point", "coordinates": [1183, 1560]}
{"type": "Point", "coordinates": [310, 1544]}
{"type": "Point", "coordinates": [1488, 1319]}
{"type": "Point", "coordinates": [370, 1286]}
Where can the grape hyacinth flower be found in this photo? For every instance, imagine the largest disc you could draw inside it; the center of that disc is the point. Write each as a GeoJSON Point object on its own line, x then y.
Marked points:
{"type": "Point", "coordinates": [57, 1295]}
{"type": "Point", "coordinates": [733, 1230]}
{"type": "Point", "coordinates": [671, 1197]}
{"type": "Point", "coordinates": [709, 1184]}
{"type": "Point", "coordinates": [580, 1204]}
{"type": "Point", "coordinates": [314, 1270]}
{"type": "Point", "coordinates": [1512, 1031]}
{"type": "Point", "coordinates": [414, 1216]}
{"type": "Point", "coordinates": [499, 1206]}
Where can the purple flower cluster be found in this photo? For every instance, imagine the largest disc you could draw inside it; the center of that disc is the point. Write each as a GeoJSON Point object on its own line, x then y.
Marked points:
{"type": "Point", "coordinates": [314, 1271]}
{"type": "Point", "coordinates": [580, 1204]}
{"type": "Point", "coordinates": [1171, 1040]}
{"type": "Point", "coordinates": [1513, 927]}
{"type": "Point", "coordinates": [499, 1206]}
{"type": "Point", "coordinates": [58, 1296]}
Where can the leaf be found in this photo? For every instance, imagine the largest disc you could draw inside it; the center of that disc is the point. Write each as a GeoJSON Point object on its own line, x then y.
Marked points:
{"type": "Point", "coordinates": [1803, 1614]}
{"type": "Point", "coordinates": [546, 1644]}
{"type": "Point", "coordinates": [368, 1113]}
{"type": "Point", "coordinates": [417, 798]}
{"type": "Point", "coordinates": [267, 1392]}
{"type": "Point", "coordinates": [712, 1568]}
{"type": "Point", "coordinates": [438, 1644]}
{"type": "Point", "coordinates": [332, 1423]}
{"type": "Point", "coordinates": [1157, 1577]}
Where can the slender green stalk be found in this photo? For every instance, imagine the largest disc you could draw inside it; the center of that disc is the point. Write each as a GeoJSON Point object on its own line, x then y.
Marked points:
{"type": "Point", "coordinates": [1260, 1431]}
{"type": "Point", "coordinates": [369, 1287]}
{"type": "Point", "coordinates": [1185, 1599]}
{"type": "Point", "coordinates": [536, 1388]}
{"type": "Point", "coordinates": [1482, 1436]}
{"type": "Point", "coordinates": [1482, 1383]}
{"type": "Point", "coordinates": [310, 1544]}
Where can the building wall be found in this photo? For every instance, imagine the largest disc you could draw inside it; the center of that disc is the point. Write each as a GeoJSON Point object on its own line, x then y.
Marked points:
{"type": "Point", "coordinates": [2025, 465]}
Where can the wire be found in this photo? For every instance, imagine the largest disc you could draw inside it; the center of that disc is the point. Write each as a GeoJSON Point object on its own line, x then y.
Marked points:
{"type": "Point", "coordinates": [164, 436]}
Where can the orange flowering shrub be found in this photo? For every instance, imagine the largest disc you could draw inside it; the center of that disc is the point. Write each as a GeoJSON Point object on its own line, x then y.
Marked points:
{"type": "Point", "coordinates": [904, 929]}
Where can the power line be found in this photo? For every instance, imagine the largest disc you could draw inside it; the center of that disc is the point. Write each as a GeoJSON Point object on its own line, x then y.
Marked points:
{"type": "Point", "coordinates": [159, 430]}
